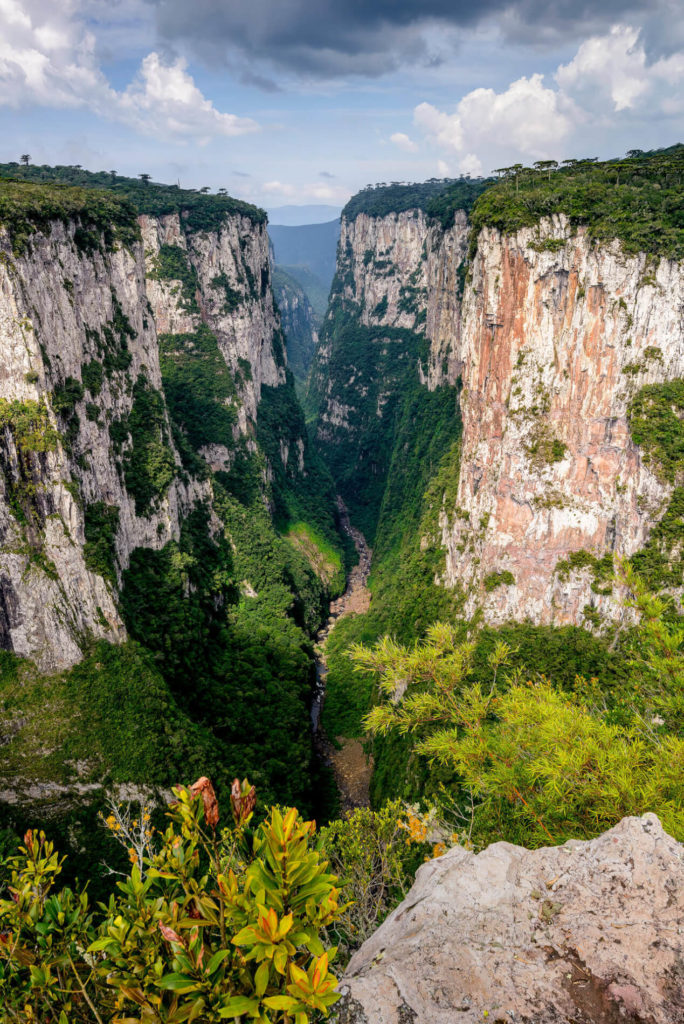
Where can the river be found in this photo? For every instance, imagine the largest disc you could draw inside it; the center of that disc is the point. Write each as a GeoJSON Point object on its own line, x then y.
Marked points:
{"type": "Point", "coordinates": [351, 767]}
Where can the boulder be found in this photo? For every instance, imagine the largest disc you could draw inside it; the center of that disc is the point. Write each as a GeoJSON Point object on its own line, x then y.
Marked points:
{"type": "Point", "coordinates": [585, 932]}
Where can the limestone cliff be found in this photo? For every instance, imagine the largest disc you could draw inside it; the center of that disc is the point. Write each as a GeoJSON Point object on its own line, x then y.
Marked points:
{"type": "Point", "coordinates": [558, 337]}
{"type": "Point", "coordinates": [92, 467]}
{"type": "Point", "coordinates": [392, 329]}
{"type": "Point", "coordinates": [79, 358]}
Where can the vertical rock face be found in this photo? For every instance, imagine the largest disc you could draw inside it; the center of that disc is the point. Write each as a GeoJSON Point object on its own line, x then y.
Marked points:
{"type": "Point", "coordinates": [90, 467]}
{"type": "Point", "coordinates": [300, 323]}
{"type": "Point", "coordinates": [227, 286]}
{"type": "Point", "coordinates": [402, 271]}
{"type": "Point", "coordinates": [392, 331]}
{"type": "Point", "coordinates": [76, 342]}
{"type": "Point", "coordinates": [558, 335]}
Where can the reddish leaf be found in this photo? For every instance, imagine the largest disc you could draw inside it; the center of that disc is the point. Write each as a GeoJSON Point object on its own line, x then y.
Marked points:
{"type": "Point", "coordinates": [204, 788]}
{"type": "Point", "coordinates": [169, 934]}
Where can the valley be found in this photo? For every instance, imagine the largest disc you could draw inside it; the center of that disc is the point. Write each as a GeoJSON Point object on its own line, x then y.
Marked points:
{"type": "Point", "coordinates": [412, 563]}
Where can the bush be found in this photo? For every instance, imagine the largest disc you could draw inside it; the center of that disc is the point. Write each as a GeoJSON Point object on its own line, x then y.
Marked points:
{"type": "Point", "coordinates": [218, 925]}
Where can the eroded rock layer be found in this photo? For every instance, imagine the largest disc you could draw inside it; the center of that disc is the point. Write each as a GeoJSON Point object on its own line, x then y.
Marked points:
{"type": "Point", "coordinates": [558, 336]}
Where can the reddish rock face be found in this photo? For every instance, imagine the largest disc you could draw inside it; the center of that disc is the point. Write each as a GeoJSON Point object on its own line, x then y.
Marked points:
{"type": "Point", "coordinates": [553, 346]}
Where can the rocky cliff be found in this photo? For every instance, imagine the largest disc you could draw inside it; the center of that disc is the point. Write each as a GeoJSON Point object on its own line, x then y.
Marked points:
{"type": "Point", "coordinates": [392, 330]}
{"type": "Point", "coordinates": [97, 448]}
{"type": "Point", "coordinates": [559, 337]}
{"type": "Point", "coordinates": [566, 332]}
{"type": "Point", "coordinates": [587, 932]}
{"type": "Point", "coordinates": [80, 366]}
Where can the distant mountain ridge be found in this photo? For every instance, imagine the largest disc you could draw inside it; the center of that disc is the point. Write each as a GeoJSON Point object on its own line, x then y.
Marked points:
{"type": "Point", "coordinates": [295, 216]}
{"type": "Point", "coordinates": [310, 245]}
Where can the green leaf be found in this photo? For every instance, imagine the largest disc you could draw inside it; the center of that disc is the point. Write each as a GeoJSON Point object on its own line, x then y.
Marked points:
{"type": "Point", "coordinates": [237, 1005]}
{"type": "Point", "coordinates": [217, 959]}
{"type": "Point", "coordinates": [261, 978]}
{"type": "Point", "coordinates": [280, 1002]}
{"type": "Point", "coordinates": [178, 983]}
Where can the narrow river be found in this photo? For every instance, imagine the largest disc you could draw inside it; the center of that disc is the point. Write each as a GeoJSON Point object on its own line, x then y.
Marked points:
{"type": "Point", "coordinates": [346, 757]}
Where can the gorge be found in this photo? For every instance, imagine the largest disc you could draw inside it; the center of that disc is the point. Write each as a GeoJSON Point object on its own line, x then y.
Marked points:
{"type": "Point", "coordinates": [211, 509]}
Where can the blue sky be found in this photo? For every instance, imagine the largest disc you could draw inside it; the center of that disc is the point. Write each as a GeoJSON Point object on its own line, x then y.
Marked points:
{"type": "Point", "coordinates": [304, 102]}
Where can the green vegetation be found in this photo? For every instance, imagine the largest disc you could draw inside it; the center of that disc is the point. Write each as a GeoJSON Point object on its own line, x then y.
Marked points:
{"type": "Point", "coordinates": [601, 569]}
{"type": "Point", "coordinates": [141, 441]}
{"type": "Point", "coordinates": [299, 323]}
{"type": "Point", "coordinates": [498, 579]}
{"type": "Point", "coordinates": [655, 421]}
{"type": "Point", "coordinates": [199, 388]}
{"type": "Point", "coordinates": [541, 763]}
{"type": "Point", "coordinates": [99, 550]}
{"type": "Point", "coordinates": [259, 952]}
{"type": "Point", "coordinates": [637, 200]}
{"type": "Point", "coordinates": [200, 212]}
{"type": "Point", "coordinates": [233, 299]}
{"type": "Point", "coordinates": [171, 263]}
{"type": "Point", "coordinates": [29, 424]}
{"type": "Point", "coordinates": [92, 376]}
{"type": "Point", "coordinates": [103, 220]}
{"type": "Point", "coordinates": [294, 496]}
{"type": "Point", "coordinates": [440, 198]}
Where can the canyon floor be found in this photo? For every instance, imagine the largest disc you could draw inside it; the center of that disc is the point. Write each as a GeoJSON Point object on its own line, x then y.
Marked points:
{"type": "Point", "coordinates": [351, 765]}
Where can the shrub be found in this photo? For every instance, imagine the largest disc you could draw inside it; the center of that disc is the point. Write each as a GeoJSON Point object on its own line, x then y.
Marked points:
{"type": "Point", "coordinates": [218, 925]}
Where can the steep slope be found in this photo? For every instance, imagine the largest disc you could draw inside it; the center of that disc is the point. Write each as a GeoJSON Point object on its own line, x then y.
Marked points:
{"type": "Point", "coordinates": [391, 330]}
{"type": "Point", "coordinates": [153, 455]}
{"type": "Point", "coordinates": [86, 446]}
{"type": "Point", "coordinates": [300, 323]}
{"type": "Point", "coordinates": [559, 338]}
{"type": "Point", "coordinates": [557, 300]}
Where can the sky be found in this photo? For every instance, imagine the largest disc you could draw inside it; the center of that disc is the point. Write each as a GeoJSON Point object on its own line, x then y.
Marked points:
{"type": "Point", "coordinates": [305, 101]}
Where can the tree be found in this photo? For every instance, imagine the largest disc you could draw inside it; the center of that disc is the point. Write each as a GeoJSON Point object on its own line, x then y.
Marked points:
{"type": "Point", "coordinates": [26, 159]}
{"type": "Point", "coordinates": [546, 764]}
{"type": "Point", "coordinates": [204, 190]}
{"type": "Point", "coordinates": [113, 174]}
{"type": "Point", "coordinates": [145, 178]}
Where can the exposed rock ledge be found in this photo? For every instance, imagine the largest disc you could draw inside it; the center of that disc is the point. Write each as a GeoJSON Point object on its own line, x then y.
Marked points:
{"type": "Point", "coordinates": [585, 932]}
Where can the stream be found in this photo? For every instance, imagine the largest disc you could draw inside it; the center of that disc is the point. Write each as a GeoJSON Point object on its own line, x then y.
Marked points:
{"type": "Point", "coordinates": [350, 765]}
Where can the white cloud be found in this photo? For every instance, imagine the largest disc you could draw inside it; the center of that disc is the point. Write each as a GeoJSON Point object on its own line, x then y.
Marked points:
{"type": "Point", "coordinates": [534, 118]}
{"type": "Point", "coordinates": [528, 116]}
{"type": "Point", "coordinates": [613, 63]}
{"type": "Point", "coordinates": [615, 66]}
{"type": "Point", "coordinates": [404, 142]}
{"type": "Point", "coordinates": [165, 101]}
{"type": "Point", "coordinates": [470, 164]}
{"type": "Point", "coordinates": [443, 169]}
{"type": "Point", "coordinates": [278, 188]}
{"type": "Point", "coordinates": [48, 58]}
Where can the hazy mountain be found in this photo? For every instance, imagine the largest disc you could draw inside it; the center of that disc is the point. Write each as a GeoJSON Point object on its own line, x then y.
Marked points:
{"type": "Point", "coordinates": [293, 216]}
{"type": "Point", "coordinates": [309, 245]}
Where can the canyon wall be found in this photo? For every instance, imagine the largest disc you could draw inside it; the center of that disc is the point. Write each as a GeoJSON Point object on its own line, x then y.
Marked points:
{"type": "Point", "coordinates": [554, 336]}
{"type": "Point", "coordinates": [391, 331]}
{"type": "Point", "coordinates": [90, 458]}
{"type": "Point", "coordinates": [558, 336]}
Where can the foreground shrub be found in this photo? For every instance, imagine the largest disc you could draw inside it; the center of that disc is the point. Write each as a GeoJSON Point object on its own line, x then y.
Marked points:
{"type": "Point", "coordinates": [217, 925]}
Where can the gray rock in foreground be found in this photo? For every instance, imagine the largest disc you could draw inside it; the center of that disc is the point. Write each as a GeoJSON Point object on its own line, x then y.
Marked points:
{"type": "Point", "coordinates": [585, 932]}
